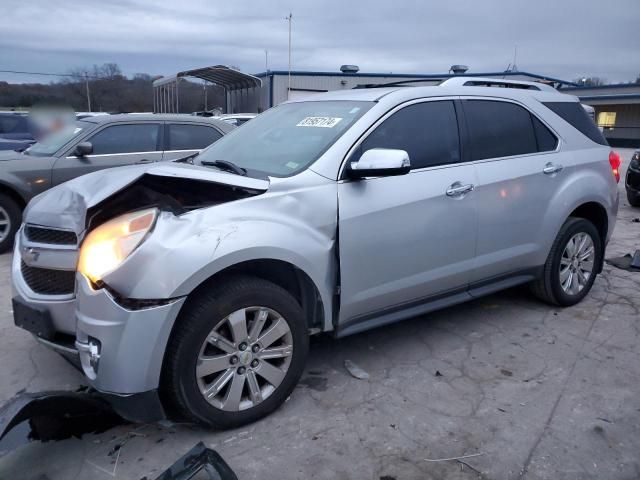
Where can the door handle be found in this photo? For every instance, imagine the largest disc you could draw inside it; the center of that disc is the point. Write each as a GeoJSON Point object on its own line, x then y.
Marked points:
{"type": "Point", "coordinates": [457, 189]}
{"type": "Point", "coordinates": [145, 160]}
{"type": "Point", "coordinates": [550, 169]}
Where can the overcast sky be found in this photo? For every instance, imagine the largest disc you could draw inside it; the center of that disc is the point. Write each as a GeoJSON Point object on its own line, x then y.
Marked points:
{"type": "Point", "coordinates": [561, 38]}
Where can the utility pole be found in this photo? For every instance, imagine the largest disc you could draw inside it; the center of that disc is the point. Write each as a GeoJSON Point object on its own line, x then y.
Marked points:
{"type": "Point", "coordinates": [266, 61]}
{"type": "Point", "coordinates": [86, 84]}
{"type": "Point", "coordinates": [289, 19]}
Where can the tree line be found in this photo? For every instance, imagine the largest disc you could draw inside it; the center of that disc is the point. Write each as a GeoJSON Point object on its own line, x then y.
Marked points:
{"type": "Point", "coordinates": [109, 91]}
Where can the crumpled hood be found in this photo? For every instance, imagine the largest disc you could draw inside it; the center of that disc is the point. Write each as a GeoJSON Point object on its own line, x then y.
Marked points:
{"type": "Point", "coordinates": [65, 206]}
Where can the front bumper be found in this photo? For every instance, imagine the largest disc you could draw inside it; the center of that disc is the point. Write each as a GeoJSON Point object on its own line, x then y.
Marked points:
{"type": "Point", "coordinates": [121, 351]}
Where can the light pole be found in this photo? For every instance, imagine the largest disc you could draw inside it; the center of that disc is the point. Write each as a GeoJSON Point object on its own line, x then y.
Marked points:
{"type": "Point", "coordinates": [289, 19]}
{"type": "Point", "coordinates": [86, 84]}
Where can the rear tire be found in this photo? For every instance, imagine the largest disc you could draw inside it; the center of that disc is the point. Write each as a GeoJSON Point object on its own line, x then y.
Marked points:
{"type": "Point", "coordinates": [10, 218]}
{"type": "Point", "coordinates": [206, 375]}
{"type": "Point", "coordinates": [564, 281]}
{"type": "Point", "coordinates": [633, 198]}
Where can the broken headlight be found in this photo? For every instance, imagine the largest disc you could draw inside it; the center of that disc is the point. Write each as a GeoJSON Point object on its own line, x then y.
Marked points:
{"type": "Point", "coordinates": [107, 246]}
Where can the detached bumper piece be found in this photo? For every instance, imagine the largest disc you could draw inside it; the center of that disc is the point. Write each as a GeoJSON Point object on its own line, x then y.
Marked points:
{"type": "Point", "coordinates": [200, 461]}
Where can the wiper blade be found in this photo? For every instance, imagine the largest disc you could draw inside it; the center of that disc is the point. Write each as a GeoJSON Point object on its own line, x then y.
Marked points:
{"type": "Point", "coordinates": [227, 166]}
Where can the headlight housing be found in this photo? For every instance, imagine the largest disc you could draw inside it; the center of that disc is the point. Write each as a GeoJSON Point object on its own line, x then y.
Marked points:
{"type": "Point", "coordinates": [107, 246]}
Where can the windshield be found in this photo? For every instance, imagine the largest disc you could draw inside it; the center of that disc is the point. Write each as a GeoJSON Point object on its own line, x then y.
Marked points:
{"type": "Point", "coordinates": [51, 143]}
{"type": "Point", "coordinates": [287, 139]}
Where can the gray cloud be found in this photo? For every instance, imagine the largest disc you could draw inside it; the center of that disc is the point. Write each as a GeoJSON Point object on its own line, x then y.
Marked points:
{"type": "Point", "coordinates": [561, 38]}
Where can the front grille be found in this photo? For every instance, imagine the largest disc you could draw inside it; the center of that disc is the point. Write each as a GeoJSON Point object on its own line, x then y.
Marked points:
{"type": "Point", "coordinates": [48, 282]}
{"type": "Point", "coordinates": [50, 235]}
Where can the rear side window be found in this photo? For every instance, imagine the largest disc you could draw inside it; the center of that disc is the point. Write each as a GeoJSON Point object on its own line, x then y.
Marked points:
{"type": "Point", "coordinates": [575, 114]}
{"type": "Point", "coordinates": [499, 129]}
{"type": "Point", "coordinates": [142, 137]}
{"type": "Point", "coordinates": [427, 131]}
{"type": "Point", "coordinates": [191, 137]}
{"type": "Point", "coordinates": [547, 141]}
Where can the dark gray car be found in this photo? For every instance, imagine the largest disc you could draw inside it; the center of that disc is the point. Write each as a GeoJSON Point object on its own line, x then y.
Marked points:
{"type": "Point", "coordinates": [92, 144]}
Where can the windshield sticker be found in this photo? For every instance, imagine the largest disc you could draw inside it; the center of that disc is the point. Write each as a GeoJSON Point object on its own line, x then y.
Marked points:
{"type": "Point", "coordinates": [292, 165]}
{"type": "Point", "coordinates": [322, 122]}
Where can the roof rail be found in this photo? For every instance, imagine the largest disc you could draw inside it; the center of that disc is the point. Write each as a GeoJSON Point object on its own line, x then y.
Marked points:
{"type": "Point", "coordinates": [494, 82]}
{"type": "Point", "coordinates": [400, 83]}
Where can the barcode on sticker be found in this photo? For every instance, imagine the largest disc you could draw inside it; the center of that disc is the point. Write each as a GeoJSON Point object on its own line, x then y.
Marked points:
{"type": "Point", "coordinates": [322, 122]}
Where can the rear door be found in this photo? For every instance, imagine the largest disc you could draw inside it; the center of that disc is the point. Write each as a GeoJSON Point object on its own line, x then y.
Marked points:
{"type": "Point", "coordinates": [183, 139]}
{"type": "Point", "coordinates": [518, 172]}
{"type": "Point", "coordinates": [113, 146]}
{"type": "Point", "coordinates": [409, 238]}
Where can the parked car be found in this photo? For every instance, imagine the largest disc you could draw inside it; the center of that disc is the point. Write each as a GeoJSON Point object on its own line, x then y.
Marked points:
{"type": "Point", "coordinates": [236, 119]}
{"type": "Point", "coordinates": [92, 144]}
{"type": "Point", "coordinates": [632, 180]}
{"type": "Point", "coordinates": [15, 130]}
{"type": "Point", "coordinates": [198, 286]}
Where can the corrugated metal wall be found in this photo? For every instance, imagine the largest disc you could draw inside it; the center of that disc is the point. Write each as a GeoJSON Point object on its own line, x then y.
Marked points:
{"type": "Point", "coordinates": [310, 84]}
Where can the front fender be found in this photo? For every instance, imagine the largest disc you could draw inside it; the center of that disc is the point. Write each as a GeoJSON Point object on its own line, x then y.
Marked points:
{"type": "Point", "coordinates": [184, 251]}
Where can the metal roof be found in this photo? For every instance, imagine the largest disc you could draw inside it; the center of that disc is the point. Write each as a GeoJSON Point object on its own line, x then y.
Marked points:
{"type": "Point", "coordinates": [415, 75]}
{"type": "Point", "coordinates": [218, 74]}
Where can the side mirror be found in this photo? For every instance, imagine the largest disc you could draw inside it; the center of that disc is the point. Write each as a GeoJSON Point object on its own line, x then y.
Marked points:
{"type": "Point", "coordinates": [82, 149]}
{"type": "Point", "coordinates": [380, 162]}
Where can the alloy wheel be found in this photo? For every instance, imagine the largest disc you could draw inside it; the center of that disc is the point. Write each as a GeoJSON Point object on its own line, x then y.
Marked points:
{"type": "Point", "coordinates": [5, 224]}
{"type": "Point", "coordinates": [244, 358]}
{"type": "Point", "coordinates": [577, 263]}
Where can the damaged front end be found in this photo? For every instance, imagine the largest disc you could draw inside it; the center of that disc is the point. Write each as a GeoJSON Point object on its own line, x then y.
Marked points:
{"type": "Point", "coordinates": [96, 323]}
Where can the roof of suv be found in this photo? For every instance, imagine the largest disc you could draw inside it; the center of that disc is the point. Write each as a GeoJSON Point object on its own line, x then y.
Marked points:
{"type": "Point", "coordinates": [472, 86]}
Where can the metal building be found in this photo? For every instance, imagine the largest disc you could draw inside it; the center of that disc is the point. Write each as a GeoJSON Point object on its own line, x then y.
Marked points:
{"type": "Point", "coordinates": [275, 84]}
{"type": "Point", "coordinates": [617, 110]}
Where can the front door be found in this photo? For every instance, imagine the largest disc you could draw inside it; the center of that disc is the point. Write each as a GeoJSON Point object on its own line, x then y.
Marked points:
{"type": "Point", "coordinates": [113, 146]}
{"type": "Point", "coordinates": [410, 238]}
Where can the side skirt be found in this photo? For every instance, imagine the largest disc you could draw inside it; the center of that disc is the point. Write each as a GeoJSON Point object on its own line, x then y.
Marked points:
{"type": "Point", "coordinates": [436, 302]}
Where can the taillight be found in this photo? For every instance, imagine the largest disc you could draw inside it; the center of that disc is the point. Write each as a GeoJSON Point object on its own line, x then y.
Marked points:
{"type": "Point", "coordinates": [614, 160]}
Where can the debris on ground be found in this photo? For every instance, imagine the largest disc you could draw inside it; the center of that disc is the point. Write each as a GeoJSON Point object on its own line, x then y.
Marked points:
{"type": "Point", "coordinates": [197, 461]}
{"type": "Point", "coordinates": [438, 374]}
{"type": "Point", "coordinates": [452, 458]}
{"type": "Point", "coordinates": [50, 416]}
{"type": "Point", "coordinates": [628, 262]}
{"type": "Point", "coordinates": [355, 371]}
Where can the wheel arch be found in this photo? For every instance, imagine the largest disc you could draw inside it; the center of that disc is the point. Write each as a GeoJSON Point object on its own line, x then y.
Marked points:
{"type": "Point", "coordinates": [13, 194]}
{"type": "Point", "coordinates": [284, 274]}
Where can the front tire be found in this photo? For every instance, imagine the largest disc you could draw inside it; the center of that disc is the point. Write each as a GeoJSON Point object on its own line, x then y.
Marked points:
{"type": "Point", "coordinates": [236, 353]}
{"type": "Point", "coordinates": [572, 264]}
{"type": "Point", "coordinates": [10, 218]}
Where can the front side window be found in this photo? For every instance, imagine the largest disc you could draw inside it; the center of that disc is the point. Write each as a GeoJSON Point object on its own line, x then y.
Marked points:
{"type": "Point", "coordinates": [499, 129]}
{"type": "Point", "coordinates": [191, 137]}
{"type": "Point", "coordinates": [142, 137]}
{"type": "Point", "coordinates": [427, 131]}
{"type": "Point", "coordinates": [286, 139]}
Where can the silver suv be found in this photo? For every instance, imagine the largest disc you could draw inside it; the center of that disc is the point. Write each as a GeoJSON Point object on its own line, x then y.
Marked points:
{"type": "Point", "coordinates": [198, 285]}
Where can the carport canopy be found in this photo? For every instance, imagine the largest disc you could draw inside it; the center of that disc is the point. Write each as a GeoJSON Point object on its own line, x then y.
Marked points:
{"type": "Point", "coordinates": [165, 89]}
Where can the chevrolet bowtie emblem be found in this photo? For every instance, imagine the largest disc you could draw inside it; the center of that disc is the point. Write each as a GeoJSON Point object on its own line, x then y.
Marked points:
{"type": "Point", "coordinates": [30, 255]}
